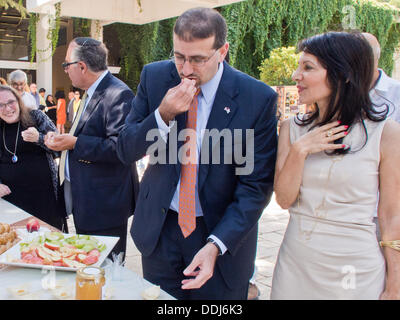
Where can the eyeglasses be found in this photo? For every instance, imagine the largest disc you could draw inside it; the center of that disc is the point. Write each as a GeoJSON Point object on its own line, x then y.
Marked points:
{"type": "Point", "coordinates": [18, 84]}
{"type": "Point", "coordinates": [65, 65]}
{"type": "Point", "coordinates": [10, 104]}
{"type": "Point", "coordinates": [194, 61]}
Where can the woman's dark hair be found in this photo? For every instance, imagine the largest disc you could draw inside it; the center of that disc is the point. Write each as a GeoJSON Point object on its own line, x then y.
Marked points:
{"type": "Point", "coordinates": [60, 95]}
{"type": "Point", "coordinates": [348, 60]}
{"type": "Point", "coordinates": [201, 23]}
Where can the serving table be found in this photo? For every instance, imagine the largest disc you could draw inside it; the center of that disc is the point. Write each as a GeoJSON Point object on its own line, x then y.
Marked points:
{"type": "Point", "coordinates": [124, 285]}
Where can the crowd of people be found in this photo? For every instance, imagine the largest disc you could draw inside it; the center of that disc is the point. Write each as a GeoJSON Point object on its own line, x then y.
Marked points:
{"type": "Point", "coordinates": [54, 107]}
{"type": "Point", "coordinates": [195, 218]}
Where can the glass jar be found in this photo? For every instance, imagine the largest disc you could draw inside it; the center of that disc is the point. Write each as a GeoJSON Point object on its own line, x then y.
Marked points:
{"type": "Point", "coordinates": [89, 283]}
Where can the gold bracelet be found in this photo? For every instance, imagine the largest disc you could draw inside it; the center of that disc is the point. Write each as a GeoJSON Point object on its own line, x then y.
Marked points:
{"type": "Point", "coordinates": [395, 244]}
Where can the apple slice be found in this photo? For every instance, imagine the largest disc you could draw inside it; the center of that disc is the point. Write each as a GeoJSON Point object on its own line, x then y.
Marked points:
{"type": "Point", "coordinates": [95, 252]}
{"type": "Point", "coordinates": [91, 259]}
{"type": "Point", "coordinates": [42, 254]}
{"type": "Point", "coordinates": [73, 264]}
{"type": "Point", "coordinates": [81, 257]}
{"type": "Point", "coordinates": [51, 253]}
{"type": "Point", "coordinates": [51, 246]}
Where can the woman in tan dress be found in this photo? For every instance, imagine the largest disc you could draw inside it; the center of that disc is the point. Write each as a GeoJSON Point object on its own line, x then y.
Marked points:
{"type": "Point", "coordinates": [330, 167]}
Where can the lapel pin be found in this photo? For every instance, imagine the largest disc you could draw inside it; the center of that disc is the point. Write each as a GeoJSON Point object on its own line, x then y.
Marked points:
{"type": "Point", "coordinates": [227, 110]}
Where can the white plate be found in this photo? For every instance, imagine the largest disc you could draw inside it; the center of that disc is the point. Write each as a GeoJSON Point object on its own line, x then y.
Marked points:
{"type": "Point", "coordinates": [15, 253]}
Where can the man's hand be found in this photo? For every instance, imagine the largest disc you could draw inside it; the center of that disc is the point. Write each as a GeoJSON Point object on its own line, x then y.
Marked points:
{"type": "Point", "coordinates": [60, 142]}
{"type": "Point", "coordinates": [201, 267]}
{"type": "Point", "coordinates": [177, 100]}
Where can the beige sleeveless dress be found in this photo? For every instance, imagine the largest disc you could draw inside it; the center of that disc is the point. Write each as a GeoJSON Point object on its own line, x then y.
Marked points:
{"type": "Point", "coordinates": [330, 250]}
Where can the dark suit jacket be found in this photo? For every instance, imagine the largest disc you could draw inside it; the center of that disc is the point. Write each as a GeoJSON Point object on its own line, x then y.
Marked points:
{"type": "Point", "coordinates": [102, 186]}
{"type": "Point", "coordinates": [232, 204]}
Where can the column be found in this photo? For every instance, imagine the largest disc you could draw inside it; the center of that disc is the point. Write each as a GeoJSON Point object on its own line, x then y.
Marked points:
{"type": "Point", "coordinates": [44, 59]}
{"type": "Point", "coordinates": [96, 31]}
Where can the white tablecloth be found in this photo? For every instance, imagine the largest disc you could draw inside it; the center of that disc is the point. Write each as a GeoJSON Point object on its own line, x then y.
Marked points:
{"type": "Point", "coordinates": [10, 213]}
{"type": "Point", "coordinates": [128, 287]}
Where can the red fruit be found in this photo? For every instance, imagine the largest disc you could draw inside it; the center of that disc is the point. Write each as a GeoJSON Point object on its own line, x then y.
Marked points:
{"type": "Point", "coordinates": [52, 246]}
{"type": "Point", "coordinates": [32, 225]}
{"type": "Point", "coordinates": [90, 259]}
{"type": "Point", "coordinates": [94, 252]}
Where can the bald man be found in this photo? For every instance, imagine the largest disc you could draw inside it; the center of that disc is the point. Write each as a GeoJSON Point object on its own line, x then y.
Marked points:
{"type": "Point", "coordinates": [384, 91]}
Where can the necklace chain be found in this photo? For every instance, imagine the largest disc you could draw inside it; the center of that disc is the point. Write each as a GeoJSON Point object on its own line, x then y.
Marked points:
{"type": "Point", "coordinates": [16, 142]}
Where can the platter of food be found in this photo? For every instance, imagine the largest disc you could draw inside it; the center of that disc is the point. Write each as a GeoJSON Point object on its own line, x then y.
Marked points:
{"type": "Point", "coordinates": [61, 251]}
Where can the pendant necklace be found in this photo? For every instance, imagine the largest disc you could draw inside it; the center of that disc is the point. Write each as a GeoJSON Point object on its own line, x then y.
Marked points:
{"type": "Point", "coordinates": [14, 157]}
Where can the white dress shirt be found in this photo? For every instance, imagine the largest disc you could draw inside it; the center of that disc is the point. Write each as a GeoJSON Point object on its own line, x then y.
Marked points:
{"type": "Point", "coordinates": [387, 91]}
{"type": "Point", "coordinates": [29, 100]}
{"type": "Point", "coordinates": [205, 102]}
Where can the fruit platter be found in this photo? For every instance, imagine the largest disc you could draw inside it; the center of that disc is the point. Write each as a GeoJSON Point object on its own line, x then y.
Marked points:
{"type": "Point", "coordinates": [67, 252]}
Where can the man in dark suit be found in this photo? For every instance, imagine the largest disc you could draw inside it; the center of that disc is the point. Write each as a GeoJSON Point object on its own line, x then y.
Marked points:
{"type": "Point", "coordinates": [98, 187]}
{"type": "Point", "coordinates": [195, 223]}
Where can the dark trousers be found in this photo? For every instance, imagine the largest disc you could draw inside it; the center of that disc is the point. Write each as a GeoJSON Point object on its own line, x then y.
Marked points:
{"type": "Point", "coordinates": [120, 232]}
{"type": "Point", "coordinates": [174, 253]}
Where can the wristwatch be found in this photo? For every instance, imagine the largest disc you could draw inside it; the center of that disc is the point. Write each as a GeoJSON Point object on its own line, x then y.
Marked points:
{"type": "Point", "coordinates": [215, 244]}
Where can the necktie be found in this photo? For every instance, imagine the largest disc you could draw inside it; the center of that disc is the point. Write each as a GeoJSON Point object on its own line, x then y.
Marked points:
{"type": "Point", "coordinates": [61, 170]}
{"type": "Point", "coordinates": [187, 204]}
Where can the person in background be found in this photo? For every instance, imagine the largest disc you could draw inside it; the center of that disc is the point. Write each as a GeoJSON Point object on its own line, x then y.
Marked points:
{"type": "Point", "coordinates": [70, 107]}
{"type": "Point", "coordinates": [28, 172]}
{"type": "Point", "coordinates": [51, 108]}
{"type": "Point", "coordinates": [18, 80]}
{"type": "Point", "coordinates": [3, 81]}
{"type": "Point", "coordinates": [331, 164]}
{"type": "Point", "coordinates": [385, 91]}
{"type": "Point", "coordinates": [42, 99]}
{"type": "Point", "coordinates": [77, 101]}
{"type": "Point", "coordinates": [35, 94]}
{"type": "Point", "coordinates": [61, 111]}
{"type": "Point", "coordinates": [99, 189]}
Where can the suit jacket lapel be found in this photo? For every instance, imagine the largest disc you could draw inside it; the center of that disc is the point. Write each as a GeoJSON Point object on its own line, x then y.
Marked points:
{"type": "Point", "coordinates": [94, 100]}
{"type": "Point", "coordinates": [222, 113]}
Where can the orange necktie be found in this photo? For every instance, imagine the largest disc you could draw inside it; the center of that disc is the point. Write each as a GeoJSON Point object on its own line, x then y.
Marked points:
{"type": "Point", "coordinates": [187, 203]}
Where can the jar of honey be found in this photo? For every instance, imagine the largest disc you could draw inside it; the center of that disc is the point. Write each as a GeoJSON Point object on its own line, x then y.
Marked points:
{"type": "Point", "coordinates": [89, 283]}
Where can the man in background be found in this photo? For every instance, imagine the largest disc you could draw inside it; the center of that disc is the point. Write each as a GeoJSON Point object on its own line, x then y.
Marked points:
{"type": "Point", "coordinates": [385, 91]}
{"type": "Point", "coordinates": [98, 187]}
{"type": "Point", "coordinates": [42, 99]}
{"type": "Point", "coordinates": [34, 93]}
{"type": "Point", "coordinates": [18, 80]}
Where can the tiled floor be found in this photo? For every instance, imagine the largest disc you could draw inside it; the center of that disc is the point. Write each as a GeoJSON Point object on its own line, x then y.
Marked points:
{"type": "Point", "coordinates": [272, 226]}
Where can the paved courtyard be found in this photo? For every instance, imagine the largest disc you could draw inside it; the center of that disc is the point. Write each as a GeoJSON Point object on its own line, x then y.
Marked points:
{"type": "Point", "coordinates": [272, 227]}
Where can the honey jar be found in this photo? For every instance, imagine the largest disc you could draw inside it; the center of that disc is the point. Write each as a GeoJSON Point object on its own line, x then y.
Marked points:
{"type": "Point", "coordinates": [89, 283]}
